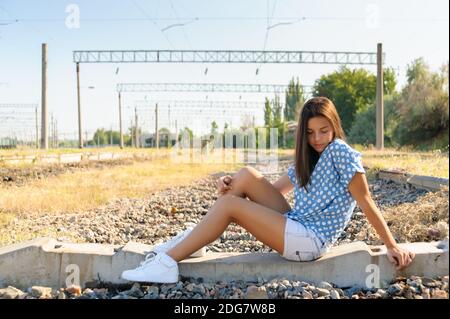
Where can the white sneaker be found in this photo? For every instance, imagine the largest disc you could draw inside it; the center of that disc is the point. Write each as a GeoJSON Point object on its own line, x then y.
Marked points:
{"type": "Point", "coordinates": [157, 268]}
{"type": "Point", "coordinates": [165, 247]}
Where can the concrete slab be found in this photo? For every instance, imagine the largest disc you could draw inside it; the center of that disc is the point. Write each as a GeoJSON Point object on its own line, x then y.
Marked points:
{"type": "Point", "coordinates": [47, 262]}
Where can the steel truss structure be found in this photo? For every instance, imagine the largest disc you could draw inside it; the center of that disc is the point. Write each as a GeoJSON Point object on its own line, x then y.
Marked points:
{"type": "Point", "coordinates": [223, 56]}
{"type": "Point", "coordinates": [233, 56]}
{"type": "Point", "coordinates": [203, 87]}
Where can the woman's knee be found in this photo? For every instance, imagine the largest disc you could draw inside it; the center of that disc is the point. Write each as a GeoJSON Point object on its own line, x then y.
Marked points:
{"type": "Point", "coordinates": [226, 204]}
{"type": "Point", "coordinates": [246, 174]}
{"type": "Point", "coordinates": [226, 200]}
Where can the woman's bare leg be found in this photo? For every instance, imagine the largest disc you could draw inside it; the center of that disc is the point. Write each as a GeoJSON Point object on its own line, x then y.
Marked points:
{"type": "Point", "coordinates": [266, 224]}
{"type": "Point", "coordinates": [248, 182]}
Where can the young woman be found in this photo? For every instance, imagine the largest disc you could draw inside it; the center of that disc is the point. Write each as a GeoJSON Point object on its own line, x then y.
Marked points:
{"type": "Point", "coordinates": [328, 181]}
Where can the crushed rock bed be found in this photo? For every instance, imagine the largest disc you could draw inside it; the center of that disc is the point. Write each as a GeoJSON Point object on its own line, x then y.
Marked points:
{"type": "Point", "coordinates": [151, 220]}
{"type": "Point", "coordinates": [188, 288]}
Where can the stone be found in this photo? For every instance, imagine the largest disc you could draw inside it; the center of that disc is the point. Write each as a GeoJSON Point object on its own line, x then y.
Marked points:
{"type": "Point", "coordinates": [307, 295]}
{"type": "Point", "coordinates": [395, 289]}
{"type": "Point", "coordinates": [334, 294]}
{"type": "Point", "coordinates": [426, 293]}
{"type": "Point", "coordinates": [352, 291]}
{"type": "Point", "coordinates": [429, 282]}
{"type": "Point", "coordinates": [190, 287]}
{"type": "Point", "coordinates": [200, 289]}
{"type": "Point", "coordinates": [414, 281]}
{"type": "Point", "coordinates": [135, 291]}
{"type": "Point", "coordinates": [322, 292]}
{"type": "Point", "coordinates": [61, 295]}
{"type": "Point", "coordinates": [41, 292]}
{"type": "Point", "coordinates": [101, 293]}
{"type": "Point", "coordinates": [254, 292]}
{"type": "Point", "coordinates": [325, 285]}
{"type": "Point", "coordinates": [383, 293]}
{"type": "Point", "coordinates": [74, 290]}
{"type": "Point", "coordinates": [11, 293]}
{"type": "Point", "coordinates": [439, 294]}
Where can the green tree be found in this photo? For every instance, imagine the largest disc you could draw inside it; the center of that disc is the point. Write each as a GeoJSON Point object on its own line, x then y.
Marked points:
{"type": "Point", "coordinates": [276, 111]}
{"type": "Point", "coordinates": [363, 130]}
{"type": "Point", "coordinates": [214, 128]}
{"type": "Point", "coordinates": [268, 116]}
{"type": "Point", "coordinates": [187, 131]}
{"type": "Point", "coordinates": [100, 137]}
{"type": "Point", "coordinates": [352, 91]}
{"type": "Point", "coordinates": [294, 100]}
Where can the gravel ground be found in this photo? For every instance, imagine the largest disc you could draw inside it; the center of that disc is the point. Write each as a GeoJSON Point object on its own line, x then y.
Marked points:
{"type": "Point", "coordinates": [162, 214]}
{"type": "Point", "coordinates": [19, 176]}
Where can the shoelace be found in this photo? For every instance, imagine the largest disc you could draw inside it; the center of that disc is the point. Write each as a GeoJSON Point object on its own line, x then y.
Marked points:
{"type": "Point", "coordinates": [148, 258]}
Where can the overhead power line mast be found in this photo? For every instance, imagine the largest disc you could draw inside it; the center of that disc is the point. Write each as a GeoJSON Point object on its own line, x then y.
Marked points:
{"type": "Point", "coordinates": [203, 87]}
{"type": "Point", "coordinates": [236, 56]}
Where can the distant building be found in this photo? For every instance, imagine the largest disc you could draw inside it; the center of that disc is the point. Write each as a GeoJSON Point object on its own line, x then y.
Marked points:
{"type": "Point", "coordinates": [7, 142]}
{"type": "Point", "coordinates": [149, 140]}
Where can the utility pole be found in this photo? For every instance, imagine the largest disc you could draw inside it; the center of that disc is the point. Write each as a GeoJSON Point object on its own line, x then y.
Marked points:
{"type": "Point", "coordinates": [156, 126]}
{"type": "Point", "coordinates": [379, 99]}
{"type": "Point", "coordinates": [132, 135]}
{"type": "Point", "coordinates": [176, 131]}
{"type": "Point", "coordinates": [136, 131]}
{"type": "Point", "coordinates": [56, 133]}
{"type": "Point", "coordinates": [44, 132]}
{"type": "Point", "coordinates": [120, 121]}
{"type": "Point", "coordinates": [169, 119]}
{"type": "Point", "coordinates": [52, 131]}
{"type": "Point", "coordinates": [37, 128]}
{"type": "Point", "coordinates": [80, 134]}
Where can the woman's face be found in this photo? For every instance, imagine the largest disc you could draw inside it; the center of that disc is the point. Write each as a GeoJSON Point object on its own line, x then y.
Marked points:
{"type": "Point", "coordinates": [320, 133]}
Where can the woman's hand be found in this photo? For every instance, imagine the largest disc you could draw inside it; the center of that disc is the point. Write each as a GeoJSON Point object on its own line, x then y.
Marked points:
{"type": "Point", "coordinates": [400, 257]}
{"type": "Point", "coordinates": [223, 184]}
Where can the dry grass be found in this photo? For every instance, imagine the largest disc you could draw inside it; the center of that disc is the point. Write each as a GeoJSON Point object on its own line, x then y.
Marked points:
{"type": "Point", "coordinates": [24, 151]}
{"type": "Point", "coordinates": [86, 190]}
{"type": "Point", "coordinates": [418, 163]}
{"type": "Point", "coordinates": [424, 220]}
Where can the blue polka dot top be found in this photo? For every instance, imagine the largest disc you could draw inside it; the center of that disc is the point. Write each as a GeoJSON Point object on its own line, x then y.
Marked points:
{"type": "Point", "coordinates": [328, 206]}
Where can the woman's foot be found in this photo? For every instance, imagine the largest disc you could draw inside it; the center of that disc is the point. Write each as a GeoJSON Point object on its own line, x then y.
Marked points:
{"type": "Point", "coordinates": [157, 268]}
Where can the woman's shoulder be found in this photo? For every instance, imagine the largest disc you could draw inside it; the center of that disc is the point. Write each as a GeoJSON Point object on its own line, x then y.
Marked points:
{"type": "Point", "coordinates": [340, 145]}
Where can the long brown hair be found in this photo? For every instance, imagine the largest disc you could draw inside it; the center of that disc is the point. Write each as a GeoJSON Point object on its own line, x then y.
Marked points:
{"type": "Point", "coordinates": [306, 157]}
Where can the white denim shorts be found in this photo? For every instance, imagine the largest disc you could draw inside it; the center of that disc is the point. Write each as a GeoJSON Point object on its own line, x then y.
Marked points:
{"type": "Point", "coordinates": [301, 243]}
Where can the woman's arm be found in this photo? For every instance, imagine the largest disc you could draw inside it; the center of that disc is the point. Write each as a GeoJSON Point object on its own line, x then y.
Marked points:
{"type": "Point", "coordinates": [283, 184]}
{"type": "Point", "coordinates": [359, 190]}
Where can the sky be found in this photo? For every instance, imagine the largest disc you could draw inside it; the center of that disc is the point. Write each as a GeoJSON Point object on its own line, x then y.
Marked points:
{"type": "Point", "coordinates": [408, 29]}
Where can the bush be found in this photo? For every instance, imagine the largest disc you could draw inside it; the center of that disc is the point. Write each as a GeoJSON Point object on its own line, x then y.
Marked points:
{"type": "Point", "coordinates": [422, 107]}
{"type": "Point", "coordinates": [363, 130]}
